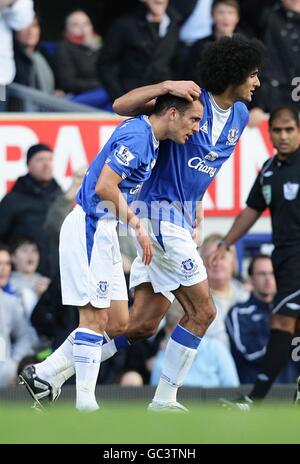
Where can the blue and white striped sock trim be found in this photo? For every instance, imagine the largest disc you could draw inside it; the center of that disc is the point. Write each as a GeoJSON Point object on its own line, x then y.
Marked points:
{"type": "Point", "coordinates": [185, 337]}
{"type": "Point", "coordinates": [88, 339]}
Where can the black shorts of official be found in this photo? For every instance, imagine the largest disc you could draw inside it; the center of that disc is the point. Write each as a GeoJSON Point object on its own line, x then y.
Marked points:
{"type": "Point", "coordinates": [286, 264]}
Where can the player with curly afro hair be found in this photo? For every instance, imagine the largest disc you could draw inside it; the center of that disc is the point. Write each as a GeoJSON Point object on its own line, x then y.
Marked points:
{"type": "Point", "coordinates": [228, 62]}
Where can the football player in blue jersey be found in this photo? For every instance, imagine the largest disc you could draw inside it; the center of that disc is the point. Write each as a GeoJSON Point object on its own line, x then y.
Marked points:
{"type": "Point", "coordinates": [228, 77]}
{"type": "Point", "coordinates": [92, 277]}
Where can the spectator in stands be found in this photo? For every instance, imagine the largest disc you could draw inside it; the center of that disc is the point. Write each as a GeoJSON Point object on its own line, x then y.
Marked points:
{"type": "Point", "coordinates": [76, 61]}
{"type": "Point", "coordinates": [254, 15]}
{"type": "Point", "coordinates": [14, 15]}
{"type": "Point", "coordinates": [131, 379]}
{"type": "Point", "coordinates": [213, 365]}
{"type": "Point", "coordinates": [248, 323]}
{"type": "Point", "coordinates": [32, 68]}
{"type": "Point", "coordinates": [24, 209]}
{"type": "Point", "coordinates": [198, 24]}
{"type": "Point", "coordinates": [225, 15]}
{"type": "Point", "coordinates": [225, 289]}
{"type": "Point", "coordinates": [62, 206]}
{"type": "Point", "coordinates": [28, 283]}
{"type": "Point", "coordinates": [283, 59]}
{"type": "Point", "coordinates": [52, 320]}
{"type": "Point", "coordinates": [139, 48]}
{"type": "Point", "coordinates": [16, 336]}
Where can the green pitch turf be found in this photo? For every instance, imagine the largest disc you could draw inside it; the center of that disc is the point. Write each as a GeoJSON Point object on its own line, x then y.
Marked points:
{"type": "Point", "coordinates": [129, 423]}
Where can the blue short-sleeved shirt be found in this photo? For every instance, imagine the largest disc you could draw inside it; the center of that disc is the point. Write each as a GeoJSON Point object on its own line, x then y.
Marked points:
{"type": "Point", "coordinates": [131, 152]}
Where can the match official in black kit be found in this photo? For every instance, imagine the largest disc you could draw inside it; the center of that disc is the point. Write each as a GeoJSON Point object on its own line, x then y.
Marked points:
{"type": "Point", "coordinates": [277, 188]}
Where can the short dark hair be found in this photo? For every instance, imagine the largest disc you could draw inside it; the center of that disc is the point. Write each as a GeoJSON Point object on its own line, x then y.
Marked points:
{"type": "Point", "coordinates": [233, 3]}
{"type": "Point", "coordinates": [277, 112]}
{"type": "Point", "coordinates": [254, 260]}
{"type": "Point", "coordinates": [167, 101]}
{"type": "Point", "coordinates": [35, 149]}
{"type": "Point", "coordinates": [229, 61]}
{"type": "Point", "coordinates": [21, 240]}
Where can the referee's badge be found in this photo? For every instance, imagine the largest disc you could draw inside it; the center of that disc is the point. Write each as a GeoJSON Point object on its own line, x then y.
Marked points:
{"type": "Point", "coordinates": [290, 190]}
{"type": "Point", "coordinates": [267, 193]}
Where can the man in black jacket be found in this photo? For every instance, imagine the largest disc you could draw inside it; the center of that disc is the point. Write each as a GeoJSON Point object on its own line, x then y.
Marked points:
{"type": "Point", "coordinates": [23, 210]}
{"type": "Point", "coordinates": [139, 48]}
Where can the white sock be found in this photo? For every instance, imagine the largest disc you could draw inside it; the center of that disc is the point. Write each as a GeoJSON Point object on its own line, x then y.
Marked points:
{"type": "Point", "coordinates": [87, 358]}
{"type": "Point", "coordinates": [63, 376]}
{"type": "Point", "coordinates": [108, 350]}
{"type": "Point", "coordinates": [60, 360]}
{"type": "Point", "coordinates": [117, 344]}
{"type": "Point", "coordinates": [179, 356]}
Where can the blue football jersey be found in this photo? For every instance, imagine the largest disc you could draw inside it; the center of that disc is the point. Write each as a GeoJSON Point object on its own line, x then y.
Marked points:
{"type": "Point", "coordinates": [183, 172]}
{"type": "Point", "coordinates": [131, 152]}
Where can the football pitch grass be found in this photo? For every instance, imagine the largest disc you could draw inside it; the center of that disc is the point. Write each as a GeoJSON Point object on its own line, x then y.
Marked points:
{"type": "Point", "coordinates": [129, 423]}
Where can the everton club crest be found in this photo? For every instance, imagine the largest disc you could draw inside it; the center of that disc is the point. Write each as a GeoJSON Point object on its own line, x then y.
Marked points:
{"type": "Point", "coordinates": [102, 288]}
{"type": "Point", "coordinates": [232, 137]}
{"type": "Point", "coordinates": [189, 267]}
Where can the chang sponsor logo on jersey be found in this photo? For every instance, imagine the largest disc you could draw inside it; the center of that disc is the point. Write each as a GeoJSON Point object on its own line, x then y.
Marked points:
{"type": "Point", "coordinates": [233, 136]}
{"type": "Point", "coordinates": [198, 164]}
{"type": "Point", "coordinates": [123, 155]}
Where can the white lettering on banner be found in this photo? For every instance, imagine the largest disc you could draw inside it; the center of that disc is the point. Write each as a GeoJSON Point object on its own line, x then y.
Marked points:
{"type": "Point", "coordinates": [68, 149]}
{"type": "Point", "coordinates": [105, 133]}
{"type": "Point", "coordinates": [225, 182]}
{"type": "Point", "coordinates": [19, 137]}
{"type": "Point", "coordinates": [76, 141]}
{"type": "Point", "coordinates": [253, 153]}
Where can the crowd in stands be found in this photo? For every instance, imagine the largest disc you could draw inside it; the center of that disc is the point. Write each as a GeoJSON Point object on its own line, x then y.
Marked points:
{"type": "Point", "coordinates": [158, 41]}
{"type": "Point", "coordinates": [155, 42]}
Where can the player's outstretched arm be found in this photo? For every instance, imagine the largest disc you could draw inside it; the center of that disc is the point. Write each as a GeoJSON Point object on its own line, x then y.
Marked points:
{"type": "Point", "coordinates": [142, 99]}
{"type": "Point", "coordinates": [107, 189]}
{"type": "Point", "coordinates": [240, 227]}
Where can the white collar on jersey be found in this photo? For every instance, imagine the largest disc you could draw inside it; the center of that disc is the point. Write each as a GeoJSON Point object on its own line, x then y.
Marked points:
{"type": "Point", "coordinates": [216, 107]}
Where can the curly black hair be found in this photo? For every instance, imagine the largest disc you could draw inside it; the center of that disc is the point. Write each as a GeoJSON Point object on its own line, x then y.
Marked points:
{"type": "Point", "coordinates": [229, 61]}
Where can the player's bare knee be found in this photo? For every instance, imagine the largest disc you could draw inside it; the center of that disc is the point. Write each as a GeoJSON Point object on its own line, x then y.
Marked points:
{"type": "Point", "coordinates": [141, 331]}
{"type": "Point", "coordinates": [210, 311]}
{"type": "Point", "coordinates": [93, 319]}
{"type": "Point", "coordinates": [203, 313]}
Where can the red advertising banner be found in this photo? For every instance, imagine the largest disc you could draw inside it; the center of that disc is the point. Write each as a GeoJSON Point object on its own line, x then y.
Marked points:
{"type": "Point", "coordinates": [76, 139]}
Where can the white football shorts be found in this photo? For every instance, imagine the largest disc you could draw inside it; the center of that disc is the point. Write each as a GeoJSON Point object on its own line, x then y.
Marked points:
{"type": "Point", "coordinates": [90, 261]}
{"type": "Point", "coordinates": [175, 262]}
